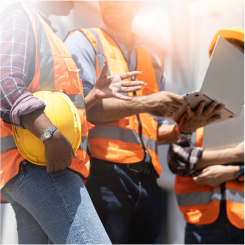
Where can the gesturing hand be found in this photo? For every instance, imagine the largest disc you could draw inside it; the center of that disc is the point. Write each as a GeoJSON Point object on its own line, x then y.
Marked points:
{"type": "Point", "coordinates": [111, 86]}
{"type": "Point", "coordinates": [192, 120]}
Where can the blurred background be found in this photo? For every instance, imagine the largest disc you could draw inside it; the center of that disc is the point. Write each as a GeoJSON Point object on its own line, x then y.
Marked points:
{"type": "Point", "coordinates": [179, 32]}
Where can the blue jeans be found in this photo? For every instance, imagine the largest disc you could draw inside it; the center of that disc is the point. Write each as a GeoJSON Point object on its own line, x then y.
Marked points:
{"type": "Point", "coordinates": [128, 203]}
{"type": "Point", "coordinates": [53, 208]}
{"type": "Point", "coordinates": [219, 232]}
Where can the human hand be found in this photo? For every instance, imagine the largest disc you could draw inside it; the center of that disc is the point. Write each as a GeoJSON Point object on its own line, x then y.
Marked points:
{"type": "Point", "coordinates": [58, 152]}
{"type": "Point", "coordinates": [192, 120]}
{"type": "Point", "coordinates": [216, 175]}
{"type": "Point", "coordinates": [111, 86]}
{"type": "Point", "coordinates": [164, 103]}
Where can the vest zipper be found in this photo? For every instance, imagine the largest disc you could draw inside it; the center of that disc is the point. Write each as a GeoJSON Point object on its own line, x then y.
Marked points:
{"type": "Point", "coordinates": [140, 125]}
{"type": "Point", "coordinates": [134, 93]}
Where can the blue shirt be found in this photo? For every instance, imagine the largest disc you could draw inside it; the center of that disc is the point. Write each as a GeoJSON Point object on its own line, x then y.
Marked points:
{"type": "Point", "coordinates": [84, 56]}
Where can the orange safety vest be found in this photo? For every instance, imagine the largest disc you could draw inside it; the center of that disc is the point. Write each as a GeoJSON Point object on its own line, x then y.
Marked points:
{"type": "Point", "coordinates": [55, 70]}
{"type": "Point", "coordinates": [200, 203]}
{"type": "Point", "coordinates": [124, 140]}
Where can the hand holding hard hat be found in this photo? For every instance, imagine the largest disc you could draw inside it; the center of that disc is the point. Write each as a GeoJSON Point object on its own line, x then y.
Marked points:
{"type": "Point", "coordinates": [65, 141]}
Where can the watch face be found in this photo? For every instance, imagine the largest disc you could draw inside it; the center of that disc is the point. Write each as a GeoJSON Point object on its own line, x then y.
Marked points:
{"type": "Point", "coordinates": [47, 134]}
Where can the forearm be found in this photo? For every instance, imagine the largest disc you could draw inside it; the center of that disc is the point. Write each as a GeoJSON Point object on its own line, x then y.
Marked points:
{"type": "Point", "coordinates": [232, 171]}
{"type": "Point", "coordinates": [217, 157]}
{"type": "Point", "coordinates": [36, 122]}
{"type": "Point", "coordinates": [112, 109]}
{"type": "Point", "coordinates": [166, 134]}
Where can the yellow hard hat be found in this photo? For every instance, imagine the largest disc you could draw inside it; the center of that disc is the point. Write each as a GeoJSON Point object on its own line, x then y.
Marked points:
{"type": "Point", "coordinates": [235, 33]}
{"type": "Point", "coordinates": [63, 114]}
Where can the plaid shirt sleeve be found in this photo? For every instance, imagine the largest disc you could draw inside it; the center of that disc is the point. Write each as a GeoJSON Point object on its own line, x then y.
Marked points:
{"type": "Point", "coordinates": [182, 157]}
{"type": "Point", "coordinates": [16, 50]}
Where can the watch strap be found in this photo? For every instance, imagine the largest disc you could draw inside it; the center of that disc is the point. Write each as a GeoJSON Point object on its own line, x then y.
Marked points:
{"type": "Point", "coordinates": [240, 174]}
{"type": "Point", "coordinates": [179, 134]}
{"type": "Point", "coordinates": [51, 130]}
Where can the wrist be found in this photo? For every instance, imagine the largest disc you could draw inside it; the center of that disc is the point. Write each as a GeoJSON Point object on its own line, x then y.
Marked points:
{"type": "Point", "coordinates": [142, 103]}
{"type": "Point", "coordinates": [179, 134]}
{"type": "Point", "coordinates": [233, 171]}
{"type": "Point", "coordinates": [55, 135]}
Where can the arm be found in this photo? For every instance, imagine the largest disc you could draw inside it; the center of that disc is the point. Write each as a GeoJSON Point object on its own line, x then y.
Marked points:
{"type": "Point", "coordinates": [18, 106]}
{"type": "Point", "coordinates": [216, 175]}
{"type": "Point", "coordinates": [16, 54]}
{"type": "Point", "coordinates": [110, 109]}
{"type": "Point", "coordinates": [111, 86]}
{"type": "Point", "coordinates": [158, 104]}
{"type": "Point", "coordinates": [184, 159]}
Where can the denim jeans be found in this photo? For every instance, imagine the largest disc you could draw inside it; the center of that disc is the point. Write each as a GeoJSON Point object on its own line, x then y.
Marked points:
{"type": "Point", "coordinates": [53, 208]}
{"type": "Point", "coordinates": [128, 203]}
{"type": "Point", "coordinates": [219, 232]}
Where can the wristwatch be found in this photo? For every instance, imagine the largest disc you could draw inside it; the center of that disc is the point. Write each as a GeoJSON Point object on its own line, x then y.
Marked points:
{"type": "Point", "coordinates": [240, 174]}
{"type": "Point", "coordinates": [47, 133]}
{"type": "Point", "coordinates": [179, 134]}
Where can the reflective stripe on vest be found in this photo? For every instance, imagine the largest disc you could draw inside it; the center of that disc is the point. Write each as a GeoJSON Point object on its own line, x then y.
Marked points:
{"type": "Point", "coordinates": [157, 69]}
{"type": "Point", "coordinates": [100, 53]}
{"type": "Point", "coordinates": [84, 144]}
{"type": "Point", "coordinates": [125, 135]}
{"type": "Point", "coordinates": [196, 198]}
{"type": "Point", "coordinates": [51, 57]}
{"type": "Point", "coordinates": [7, 143]}
{"type": "Point", "coordinates": [201, 204]}
{"type": "Point", "coordinates": [234, 196]}
{"type": "Point", "coordinates": [46, 64]}
{"type": "Point", "coordinates": [101, 58]}
{"type": "Point", "coordinates": [77, 100]}
{"type": "Point", "coordinates": [122, 142]}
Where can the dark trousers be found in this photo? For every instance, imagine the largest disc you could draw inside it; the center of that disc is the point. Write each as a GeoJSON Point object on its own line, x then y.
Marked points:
{"type": "Point", "coordinates": [128, 203]}
{"type": "Point", "coordinates": [219, 232]}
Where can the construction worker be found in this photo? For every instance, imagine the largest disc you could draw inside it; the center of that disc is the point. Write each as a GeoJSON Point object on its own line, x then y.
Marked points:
{"type": "Point", "coordinates": [51, 203]}
{"type": "Point", "coordinates": [209, 184]}
{"type": "Point", "coordinates": [123, 143]}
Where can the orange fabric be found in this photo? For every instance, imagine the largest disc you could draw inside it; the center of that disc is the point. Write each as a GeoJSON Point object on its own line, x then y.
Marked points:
{"type": "Point", "coordinates": [199, 136]}
{"type": "Point", "coordinates": [67, 79]}
{"type": "Point", "coordinates": [207, 213]}
{"type": "Point", "coordinates": [117, 150]}
{"type": "Point", "coordinates": [197, 214]}
{"type": "Point", "coordinates": [2, 199]}
{"type": "Point", "coordinates": [235, 211]}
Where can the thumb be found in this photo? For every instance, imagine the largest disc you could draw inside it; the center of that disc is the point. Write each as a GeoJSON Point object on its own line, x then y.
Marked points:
{"type": "Point", "coordinates": [179, 99]}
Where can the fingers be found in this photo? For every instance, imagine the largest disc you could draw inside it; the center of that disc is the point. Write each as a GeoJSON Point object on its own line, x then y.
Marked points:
{"type": "Point", "coordinates": [104, 70]}
{"type": "Point", "coordinates": [130, 89]}
{"type": "Point", "coordinates": [213, 118]}
{"type": "Point", "coordinates": [210, 108]}
{"type": "Point", "coordinates": [188, 111]}
{"type": "Point", "coordinates": [50, 168]}
{"type": "Point", "coordinates": [200, 108]}
{"type": "Point", "coordinates": [130, 74]}
{"type": "Point", "coordinates": [123, 97]}
{"type": "Point", "coordinates": [133, 83]}
{"type": "Point", "coordinates": [218, 109]}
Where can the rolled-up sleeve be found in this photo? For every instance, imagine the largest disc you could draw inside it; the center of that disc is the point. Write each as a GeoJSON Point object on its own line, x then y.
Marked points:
{"type": "Point", "coordinates": [16, 50]}
{"type": "Point", "coordinates": [182, 157]}
{"type": "Point", "coordinates": [84, 56]}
